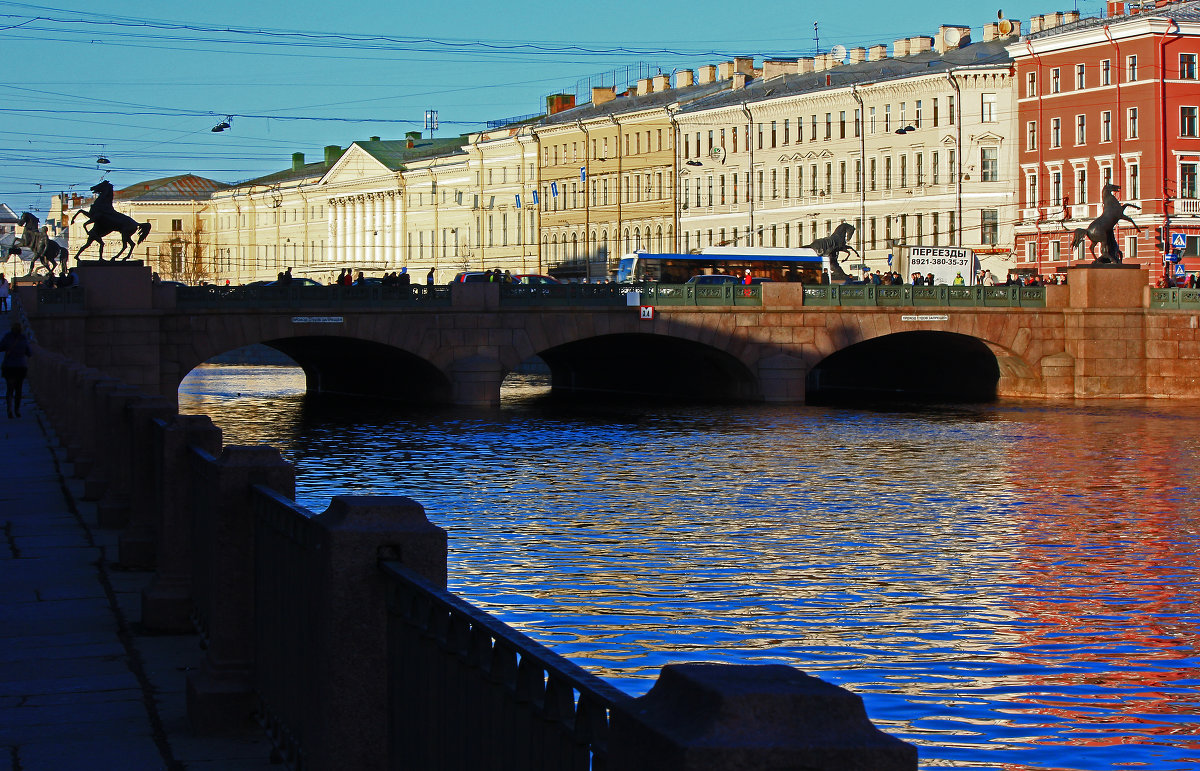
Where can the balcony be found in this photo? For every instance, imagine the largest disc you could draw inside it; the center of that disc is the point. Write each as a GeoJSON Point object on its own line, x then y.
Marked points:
{"type": "Point", "coordinates": [1081, 211]}
{"type": "Point", "coordinates": [1190, 206]}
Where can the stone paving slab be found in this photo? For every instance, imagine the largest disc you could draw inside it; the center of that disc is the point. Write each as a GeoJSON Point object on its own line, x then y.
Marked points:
{"type": "Point", "coordinates": [80, 686]}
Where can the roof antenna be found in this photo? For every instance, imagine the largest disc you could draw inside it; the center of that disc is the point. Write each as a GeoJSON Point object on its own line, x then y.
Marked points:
{"type": "Point", "coordinates": [816, 39]}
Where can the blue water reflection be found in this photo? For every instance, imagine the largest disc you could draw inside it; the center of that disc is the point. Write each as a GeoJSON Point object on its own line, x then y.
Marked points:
{"type": "Point", "coordinates": [1009, 586]}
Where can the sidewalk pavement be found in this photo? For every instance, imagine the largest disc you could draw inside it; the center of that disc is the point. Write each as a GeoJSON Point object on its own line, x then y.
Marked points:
{"type": "Point", "coordinates": [81, 685]}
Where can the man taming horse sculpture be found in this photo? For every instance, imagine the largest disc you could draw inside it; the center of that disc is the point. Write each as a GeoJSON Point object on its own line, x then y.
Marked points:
{"type": "Point", "coordinates": [833, 245]}
{"type": "Point", "coordinates": [1101, 229]}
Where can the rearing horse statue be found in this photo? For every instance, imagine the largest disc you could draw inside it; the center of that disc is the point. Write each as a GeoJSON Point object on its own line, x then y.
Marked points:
{"type": "Point", "coordinates": [103, 219]}
{"type": "Point", "coordinates": [1101, 229]}
{"type": "Point", "coordinates": [833, 245]}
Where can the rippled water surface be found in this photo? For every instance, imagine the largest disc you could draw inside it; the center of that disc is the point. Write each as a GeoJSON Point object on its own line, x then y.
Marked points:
{"type": "Point", "coordinates": [1008, 586]}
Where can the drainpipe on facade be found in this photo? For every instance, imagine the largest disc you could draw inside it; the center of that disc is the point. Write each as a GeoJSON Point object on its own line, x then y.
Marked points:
{"type": "Point", "coordinates": [749, 172]}
{"type": "Point", "coordinates": [1037, 224]}
{"type": "Point", "coordinates": [958, 157]}
{"type": "Point", "coordinates": [620, 166]}
{"type": "Point", "coordinates": [479, 209]}
{"type": "Point", "coordinates": [671, 111]}
{"type": "Point", "coordinates": [1162, 129]}
{"type": "Point", "coordinates": [587, 206]}
{"type": "Point", "coordinates": [862, 169]}
{"type": "Point", "coordinates": [537, 154]}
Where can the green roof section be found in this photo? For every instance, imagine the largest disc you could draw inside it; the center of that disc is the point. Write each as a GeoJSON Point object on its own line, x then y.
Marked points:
{"type": "Point", "coordinates": [394, 153]}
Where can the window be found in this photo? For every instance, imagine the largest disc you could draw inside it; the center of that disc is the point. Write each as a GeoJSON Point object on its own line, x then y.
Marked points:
{"type": "Point", "coordinates": [787, 122]}
{"type": "Point", "coordinates": [1031, 84]}
{"type": "Point", "coordinates": [871, 118]}
{"type": "Point", "coordinates": [1187, 66]}
{"type": "Point", "coordinates": [1106, 73]}
{"type": "Point", "coordinates": [917, 117]}
{"type": "Point", "coordinates": [176, 226]}
{"type": "Point", "coordinates": [872, 166]}
{"type": "Point", "coordinates": [903, 171]}
{"type": "Point", "coordinates": [1131, 68]}
{"type": "Point", "coordinates": [1056, 189]}
{"type": "Point", "coordinates": [1080, 129]}
{"type": "Point", "coordinates": [887, 118]}
{"type": "Point", "coordinates": [887, 173]}
{"type": "Point", "coordinates": [950, 109]}
{"type": "Point", "coordinates": [1133, 124]}
{"type": "Point", "coordinates": [1030, 251]}
{"type": "Point", "coordinates": [920, 170]}
{"type": "Point", "coordinates": [812, 137]}
{"type": "Point", "coordinates": [773, 133]}
{"type": "Point", "coordinates": [1133, 184]}
{"type": "Point", "coordinates": [935, 112]}
{"type": "Point", "coordinates": [829, 125]}
{"type": "Point", "coordinates": [990, 161]}
{"type": "Point", "coordinates": [1081, 186]}
{"type": "Point", "coordinates": [990, 227]}
{"type": "Point", "coordinates": [1055, 250]}
{"type": "Point", "coordinates": [1031, 135]}
{"type": "Point", "coordinates": [937, 168]}
{"type": "Point", "coordinates": [1080, 81]}
{"type": "Point", "coordinates": [1055, 81]}
{"type": "Point", "coordinates": [1106, 126]}
{"type": "Point", "coordinates": [1031, 190]}
{"type": "Point", "coordinates": [1056, 132]}
{"type": "Point", "coordinates": [842, 124]}
{"type": "Point", "coordinates": [842, 176]}
{"type": "Point", "coordinates": [1187, 180]}
{"type": "Point", "coordinates": [1187, 121]}
{"type": "Point", "coordinates": [858, 122]}
{"type": "Point", "coordinates": [760, 136]}
{"type": "Point", "coordinates": [989, 108]}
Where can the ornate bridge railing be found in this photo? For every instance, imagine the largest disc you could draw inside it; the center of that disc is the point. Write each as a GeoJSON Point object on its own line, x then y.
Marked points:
{"type": "Point", "coordinates": [630, 294]}
{"type": "Point", "coordinates": [302, 296]}
{"type": "Point", "coordinates": [1182, 299]}
{"type": "Point", "coordinates": [926, 296]}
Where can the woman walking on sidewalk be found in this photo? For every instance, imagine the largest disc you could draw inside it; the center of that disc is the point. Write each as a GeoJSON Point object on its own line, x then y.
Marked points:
{"type": "Point", "coordinates": [16, 364]}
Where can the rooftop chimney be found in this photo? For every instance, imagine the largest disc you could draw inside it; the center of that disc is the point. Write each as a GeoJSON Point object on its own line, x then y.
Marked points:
{"type": "Point", "coordinates": [556, 103]}
{"type": "Point", "coordinates": [1070, 17]}
{"type": "Point", "coordinates": [332, 153]}
{"type": "Point", "coordinates": [804, 65]}
{"type": "Point", "coordinates": [724, 70]}
{"type": "Point", "coordinates": [739, 80]}
{"type": "Point", "coordinates": [858, 55]}
{"type": "Point", "coordinates": [1035, 24]}
{"type": "Point", "coordinates": [603, 95]}
{"type": "Point", "coordinates": [660, 83]}
{"type": "Point", "coordinates": [708, 74]}
{"type": "Point", "coordinates": [643, 86]}
{"type": "Point", "coordinates": [876, 53]}
{"type": "Point", "coordinates": [773, 68]}
{"type": "Point", "coordinates": [297, 161]}
{"type": "Point", "coordinates": [947, 32]}
{"type": "Point", "coordinates": [900, 48]}
{"type": "Point", "coordinates": [919, 44]}
{"type": "Point", "coordinates": [744, 65]}
{"type": "Point", "coordinates": [685, 78]}
{"type": "Point", "coordinates": [1116, 8]}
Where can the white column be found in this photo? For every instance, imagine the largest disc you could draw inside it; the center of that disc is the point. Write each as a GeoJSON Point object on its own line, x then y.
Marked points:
{"type": "Point", "coordinates": [389, 225]}
{"type": "Point", "coordinates": [344, 233]}
{"type": "Point", "coordinates": [360, 221]}
{"type": "Point", "coordinates": [335, 234]}
{"type": "Point", "coordinates": [376, 253]}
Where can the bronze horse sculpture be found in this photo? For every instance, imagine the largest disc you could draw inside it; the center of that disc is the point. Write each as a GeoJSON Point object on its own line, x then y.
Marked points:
{"type": "Point", "coordinates": [833, 245]}
{"type": "Point", "coordinates": [103, 219]}
{"type": "Point", "coordinates": [47, 251]}
{"type": "Point", "coordinates": [1100, 231]}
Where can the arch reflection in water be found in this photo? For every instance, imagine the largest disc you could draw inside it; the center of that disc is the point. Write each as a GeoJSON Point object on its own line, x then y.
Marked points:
{"type": "Point", "coordinates": [1010, 586]}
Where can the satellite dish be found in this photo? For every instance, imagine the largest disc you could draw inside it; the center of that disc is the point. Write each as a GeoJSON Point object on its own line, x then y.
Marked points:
{"type": "Point", "coordinates": [952, 36]}
{"type": "Point", "coordinates": [839, 53]}
{"type": "Point", "coordinates": [717, 154]}
{"type": "Point", "coordinates": [1005, 26]}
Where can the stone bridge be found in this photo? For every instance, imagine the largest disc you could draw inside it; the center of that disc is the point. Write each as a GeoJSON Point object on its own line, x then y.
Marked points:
{"type": "Point", "coordinates": [1095, 338]}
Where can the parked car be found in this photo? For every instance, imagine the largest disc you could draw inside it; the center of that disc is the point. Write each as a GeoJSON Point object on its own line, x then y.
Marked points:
{"type": "Point", "coordinates": [535, 279]}
{"type": "Point", "coordinates": [470, 277]}
{"type": "Point", "coordinates": [298, 281]}
{"type": "Point", "coordinates": [716, 279]}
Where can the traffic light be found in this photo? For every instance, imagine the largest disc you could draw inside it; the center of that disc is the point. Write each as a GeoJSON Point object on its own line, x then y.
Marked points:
{"type": "Point", "coordinates": [1160, 239]}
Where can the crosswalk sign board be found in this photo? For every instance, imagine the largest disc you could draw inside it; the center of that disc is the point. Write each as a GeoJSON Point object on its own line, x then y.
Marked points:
{"type": "Point", "coordinates": [648, 312]}
{"type": "Point", "coordinates": [1179, 240]}
{"type": "Point", "coordinates": [1180, 271]}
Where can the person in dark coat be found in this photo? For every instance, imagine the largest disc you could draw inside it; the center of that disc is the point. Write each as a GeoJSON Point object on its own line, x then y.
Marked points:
{"type": "Point", "coordinates": [15, 366]}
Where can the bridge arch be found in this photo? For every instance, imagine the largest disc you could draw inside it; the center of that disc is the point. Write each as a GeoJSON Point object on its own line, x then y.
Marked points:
{"type": "Point", "coordinates": [334, 364]}
{"type": "Point", "coordinates": [935, 364]}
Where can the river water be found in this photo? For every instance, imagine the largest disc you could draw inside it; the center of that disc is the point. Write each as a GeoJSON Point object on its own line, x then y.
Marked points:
{"type": "Point", "coordinates": [1008, 586]}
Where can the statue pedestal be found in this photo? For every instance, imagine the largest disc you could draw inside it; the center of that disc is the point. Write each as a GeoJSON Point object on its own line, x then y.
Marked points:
{"type": "Point", "coordinates": [1109, 286]}
{"type": "Point", "coordinates": [115, 285]}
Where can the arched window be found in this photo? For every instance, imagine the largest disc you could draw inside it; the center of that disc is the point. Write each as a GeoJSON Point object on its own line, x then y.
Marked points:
{"type": "Point", "coordinates": [574, 246]}
{"type": "Point", "coordinates": [660, 248]}
{"type": "Point", "coordinates": [554, 247]}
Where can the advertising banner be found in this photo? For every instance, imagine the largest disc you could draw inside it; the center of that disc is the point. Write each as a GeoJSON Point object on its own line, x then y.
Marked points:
{"type": "Point", "coordinates": [944, 262]}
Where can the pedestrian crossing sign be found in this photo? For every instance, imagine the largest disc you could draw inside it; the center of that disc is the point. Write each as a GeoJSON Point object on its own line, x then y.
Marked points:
{"type": "Point", "coordinates": [1179, 240]}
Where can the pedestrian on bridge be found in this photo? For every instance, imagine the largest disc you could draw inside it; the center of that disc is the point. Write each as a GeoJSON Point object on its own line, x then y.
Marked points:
{"type": "Point", "coordinates": [5, 293]}
{"type": "Point", "coordinates": [14, 367]}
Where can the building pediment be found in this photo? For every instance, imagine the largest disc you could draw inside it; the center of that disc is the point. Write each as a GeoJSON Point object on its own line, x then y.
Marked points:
{"type": "Point", "coordinates": [355, 165]}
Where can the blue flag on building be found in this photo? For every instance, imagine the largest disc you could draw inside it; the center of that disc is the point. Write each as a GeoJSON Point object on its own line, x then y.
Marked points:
{"type": "Point", "coordinates": [534, 193]}
{"type": "Point", "coordinates": [518, 197]}
{"type": "Point", "coordinates": [554, 189]}
{"type": "Point", "coordinates": [583, 174]}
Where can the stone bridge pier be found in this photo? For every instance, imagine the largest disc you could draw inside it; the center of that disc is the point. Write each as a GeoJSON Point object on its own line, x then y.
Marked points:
{"type": "Point", "coordinates": [1096, 338]}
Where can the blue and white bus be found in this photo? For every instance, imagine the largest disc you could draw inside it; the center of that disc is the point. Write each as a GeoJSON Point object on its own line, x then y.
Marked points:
{"type": "Point", "coordinates": [796, 265]}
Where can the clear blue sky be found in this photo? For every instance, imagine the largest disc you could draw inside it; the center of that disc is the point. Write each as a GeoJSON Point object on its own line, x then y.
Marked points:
{"type": "Point", "coordinates": [143, 83]}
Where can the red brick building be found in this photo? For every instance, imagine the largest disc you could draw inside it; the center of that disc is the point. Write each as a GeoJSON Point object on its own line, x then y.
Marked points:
{"type": "Point", "coordinates": [1109, 99]}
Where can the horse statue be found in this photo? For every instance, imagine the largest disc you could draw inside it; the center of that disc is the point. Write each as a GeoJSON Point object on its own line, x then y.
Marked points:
{"type": "Point", "coordinates": [1101, 229]}
{"type": "Point", "coordinates": [103, 219]}
{"type": "Point", "coordinates": [47, 251]}
{"type": "Point", "coordinates": [833, 245]}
